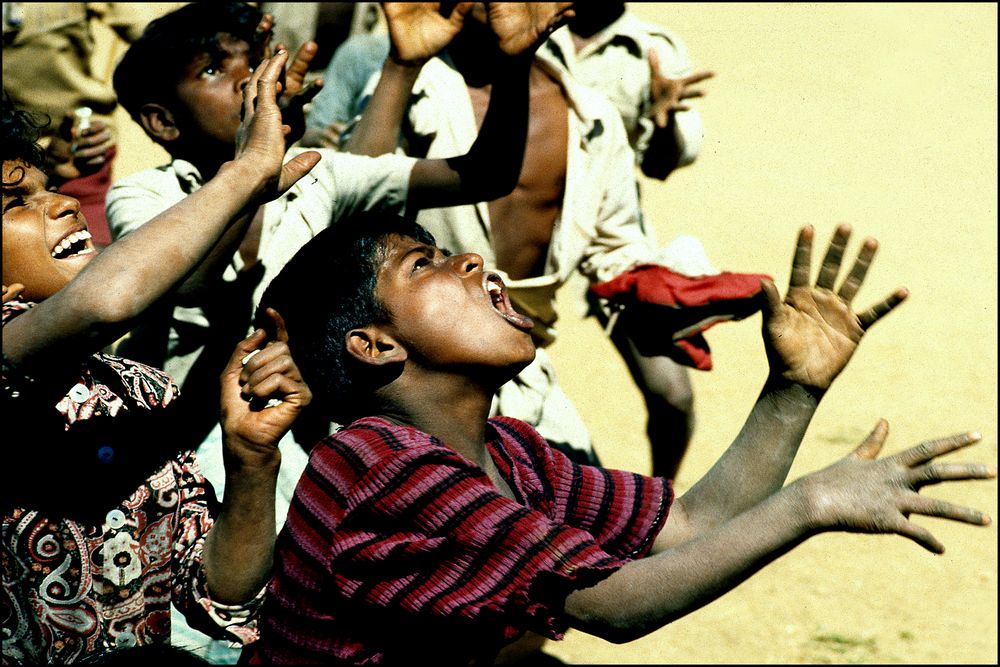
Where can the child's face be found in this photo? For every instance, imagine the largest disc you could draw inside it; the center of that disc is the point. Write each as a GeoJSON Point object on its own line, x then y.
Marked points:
{"type": "Point", "coordinates": [211, 91]}
{"type": "Point", "coordinates": [45, 237]}
{"type": "Point", "coordinates": [446, 311]}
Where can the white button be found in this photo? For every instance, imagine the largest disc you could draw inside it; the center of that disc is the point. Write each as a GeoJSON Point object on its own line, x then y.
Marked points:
{"type": "Point", "coordinates": [125, 639]}
{"type": "Point", "coordinates": [79, 393]}
{"type": "Point", "coordinates": [115, 519]}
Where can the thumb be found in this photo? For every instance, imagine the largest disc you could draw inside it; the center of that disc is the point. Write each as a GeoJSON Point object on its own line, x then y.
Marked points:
{"type": "Point", "coordinates": [872, 445]}
{"type": "Point", "coordinates": [296, 168]}
{"type": "Point", "coordinates": [772, 299]}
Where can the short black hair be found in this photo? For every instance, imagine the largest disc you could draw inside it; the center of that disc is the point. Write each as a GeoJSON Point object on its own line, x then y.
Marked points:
{"type": "Point", "coordinates": [328, 289]}
{"type": "Point", "coordinates": [154, 64]}
{"type": "Point", "coordinates": [21, 130]}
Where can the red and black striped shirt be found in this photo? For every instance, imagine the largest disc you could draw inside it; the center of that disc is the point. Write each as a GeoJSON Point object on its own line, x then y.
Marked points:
{"type": "Point", "coordinates": [397, 549]}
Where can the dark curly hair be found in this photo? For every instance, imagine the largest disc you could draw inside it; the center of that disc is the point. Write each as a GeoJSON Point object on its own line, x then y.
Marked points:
{"type": "Point", "coordinates": [154, 64]}
{"type": "Point", "coordinates": [21, 130]}
{"type": "Point", "coordinates": [324, 291]}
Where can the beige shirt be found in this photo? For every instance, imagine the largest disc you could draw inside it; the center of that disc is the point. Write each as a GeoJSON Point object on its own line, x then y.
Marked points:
{"type": "Point", "coordinates": [616, 62]}
{"type": "Point", "coordinates": [338, 186]}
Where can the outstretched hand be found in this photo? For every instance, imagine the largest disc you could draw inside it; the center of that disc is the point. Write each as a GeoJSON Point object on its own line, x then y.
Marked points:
{"type": "Point", "coordinates": [667, 95]}
{"type": "Point", "coordinates": [864, 494]}
{"type": "Point", "coordinates": [260, 139]}
{"type": "Point", "coordinates": [295, 94]}
{"type": "Point", "coordinates": [262, 392]}
{"type": "Point", "coordinates": [418, 31]}
{"type": "Point", "coordinates": [521, 27]}
{"type": "Point", "coordinates": [812, 334]}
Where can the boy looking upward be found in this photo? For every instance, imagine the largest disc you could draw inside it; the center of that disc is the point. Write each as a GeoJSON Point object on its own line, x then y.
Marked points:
{"type": "Point", "coordinates": [181, 80]}
{"type": "Point", "coordinates": [426, 533]}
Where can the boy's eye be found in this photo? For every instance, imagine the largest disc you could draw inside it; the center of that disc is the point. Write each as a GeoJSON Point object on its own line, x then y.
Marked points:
{"type": "Point", "coordinates": [421, 262]}
{"type": "Point", "coordinates": [211, 70]}
{"type": "Point", "coordinates": [12, 202]}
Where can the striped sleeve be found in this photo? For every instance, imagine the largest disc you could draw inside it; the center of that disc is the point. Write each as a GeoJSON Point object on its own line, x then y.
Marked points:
{"type": "Point", "coordinates": [623, 511]}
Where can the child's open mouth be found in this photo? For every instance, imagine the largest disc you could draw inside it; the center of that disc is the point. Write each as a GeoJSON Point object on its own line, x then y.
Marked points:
{"type": "Point", "coordinates": [74, 244]}
{"type": "Point", "coordinates": [497, 292]}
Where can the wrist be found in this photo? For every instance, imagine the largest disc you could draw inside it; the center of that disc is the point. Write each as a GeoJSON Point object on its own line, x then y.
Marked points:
{"type": "Point", "coordinates": [791, 390]}
{"type": "Point", "coordinates": [406, 66]}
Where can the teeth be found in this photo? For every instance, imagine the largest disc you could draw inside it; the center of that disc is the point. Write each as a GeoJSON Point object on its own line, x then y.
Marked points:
{"type": "Point", "coordinates": [67, 242]}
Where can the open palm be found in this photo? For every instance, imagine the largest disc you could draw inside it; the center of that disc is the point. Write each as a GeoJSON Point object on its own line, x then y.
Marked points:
{"type": "Point", "coordinates": [812, 334]}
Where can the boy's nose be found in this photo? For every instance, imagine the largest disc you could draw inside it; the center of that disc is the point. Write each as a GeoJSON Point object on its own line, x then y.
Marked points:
{"type": "Point", "coordinates": [468, 263]}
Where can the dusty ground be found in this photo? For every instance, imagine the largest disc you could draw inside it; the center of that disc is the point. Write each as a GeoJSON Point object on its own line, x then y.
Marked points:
{"type": "Point", "coordinates": [885, 117]}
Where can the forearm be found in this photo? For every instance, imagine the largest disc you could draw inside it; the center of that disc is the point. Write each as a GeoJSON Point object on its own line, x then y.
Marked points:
{"type": "Point", "coordinates": [754, 466]}
{"type": "Point", "coordinates": [649, 593]}
{"type": "Point", "coordinates": [377, 132]}
{"type": "Point", "coordinates": [125, 279]}
{"type": "Point", "coordinates": [492, 166]}
{"type": "Point", "coordinates": [208, 272]}
{"type": "Point", "coordinates": [239, 548]}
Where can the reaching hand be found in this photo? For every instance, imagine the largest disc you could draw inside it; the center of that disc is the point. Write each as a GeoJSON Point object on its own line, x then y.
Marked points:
{"type": "Point", "coordinates": [521, 27]}
{"type": "Point", "coordinates": [811, 335]}
{"type": "Point", "coordinates": [419, 30]}
{"type": "Point", "coordinates": [862, 494]}
{"type": "Point", "coordinates": [262, 391]}
{"type": "Point", "coordinates": [667, 95]}
{"type": "Point", "coordinates": [260, 140]}
{"type": "Point", "coordinates": [295, 93]}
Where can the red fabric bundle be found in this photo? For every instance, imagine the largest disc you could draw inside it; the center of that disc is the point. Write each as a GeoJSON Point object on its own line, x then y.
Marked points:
{"type": "Point", "coordinates": [668, 312]}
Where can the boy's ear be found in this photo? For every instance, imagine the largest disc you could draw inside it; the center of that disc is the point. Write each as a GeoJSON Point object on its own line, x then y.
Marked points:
{"type": "Point", "coordinates": [159, 122]}
{"type": "Point", "coordinates": [372, 345]}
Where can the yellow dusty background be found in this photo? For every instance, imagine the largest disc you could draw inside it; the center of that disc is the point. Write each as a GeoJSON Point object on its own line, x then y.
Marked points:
{"type": "Point", "coordinates": [884, 117]}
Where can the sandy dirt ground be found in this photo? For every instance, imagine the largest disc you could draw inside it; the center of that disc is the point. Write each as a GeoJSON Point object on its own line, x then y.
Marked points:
{"type": "Point", "coordinates": [884, 117]}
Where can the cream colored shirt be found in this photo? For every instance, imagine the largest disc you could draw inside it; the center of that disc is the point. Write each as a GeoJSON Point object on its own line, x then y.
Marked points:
{"type": "Point", "coordinates": [338, 186]}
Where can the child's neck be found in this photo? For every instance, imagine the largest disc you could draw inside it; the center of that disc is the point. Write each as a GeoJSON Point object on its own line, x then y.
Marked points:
{"type": "Point", "coordinates": [454, 415]}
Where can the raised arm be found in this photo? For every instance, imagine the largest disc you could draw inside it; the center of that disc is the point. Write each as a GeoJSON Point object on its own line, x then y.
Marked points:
{"type": "Point", "coordinates": [491, 167]}
{"type": "Point", "coordinates": [857, 494]}
{"type": "Point", "coordinates": [262, 394]}
{"type": "Point", "coordinates": [809, 337]}
{"type": "Point", "coordinates": [493, 164]}
{"type": "Point", "coordinates": [104, 299]}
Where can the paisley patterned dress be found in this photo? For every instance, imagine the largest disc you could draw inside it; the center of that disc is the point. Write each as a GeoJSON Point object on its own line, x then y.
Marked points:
{"type": "Point", "coordinates": [103, 522]}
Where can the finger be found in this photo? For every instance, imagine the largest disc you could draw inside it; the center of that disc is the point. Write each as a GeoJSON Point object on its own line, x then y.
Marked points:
{"type": "Point", "coordinates": [852, 283]}
{"type": "Point", "coordinates": [273, 384]}
{"type": "Point", "coordinates": [680, 107]}
{"type": "Point", "coordinates": [772, 299]}
{"type": "Point", "coordinates": [935, 473]}
{"type": "Point", "coordinates": [830, 267]}
{"type": "Point", "coordinates": [932, 449]}
{"type": "Point", "coordinates": [256, 382]}
{"type": "Point", "coordinates": [921, 536]}
{"type": "Point", "coordinates": [243, 348]}
{"type": "Point", "coordinates": [280, 332]}
{"type": "Point", "coordinates": [688, 94]}
{"type": "Point", "coordinates": [654, 64]}
{"type": "Point", "coordinates": [883, 308]}
{"type": "Point", "coordinates": [802, 258]}
{"type": "Point", "coordinates": [944, 510]}
{"type": "Point", "coordinates": [261, 357]}
{"type": "Point", "coordinates": [871, 446]}
{"type": "Point", "coordinates": [697, 78]}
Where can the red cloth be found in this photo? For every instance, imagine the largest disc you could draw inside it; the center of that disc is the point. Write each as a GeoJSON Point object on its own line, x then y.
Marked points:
{"type": "Point", "coordinates": [91, 191]}
{"type": "Point", "coordinates": [684, 306]}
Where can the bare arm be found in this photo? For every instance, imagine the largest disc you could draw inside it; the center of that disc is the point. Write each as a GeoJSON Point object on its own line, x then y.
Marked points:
{"type": "Point", "coordinates": [809, 338]}
{"type": "Point", "coordinates": [243, 532]}
{"type": "Point", "coordinates": [491, 167]}
{"type": "Point", "coordinates": [856, 494]}
{"type": "Point", "coordinates": [100, 303]}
